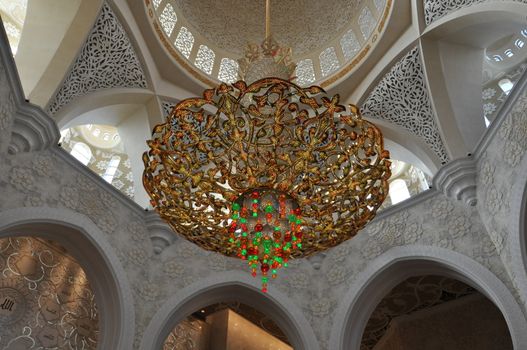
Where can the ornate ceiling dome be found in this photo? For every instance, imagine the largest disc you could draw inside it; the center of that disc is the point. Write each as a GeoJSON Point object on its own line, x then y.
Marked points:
{"type": "Point", "coordinates": [328, 38]}
{"type": "Point", "coordinates": [303, 25]}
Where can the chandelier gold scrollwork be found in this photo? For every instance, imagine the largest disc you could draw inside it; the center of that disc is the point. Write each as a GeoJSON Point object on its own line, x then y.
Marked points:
{"type": "Point", "coordinates": [324, 167]}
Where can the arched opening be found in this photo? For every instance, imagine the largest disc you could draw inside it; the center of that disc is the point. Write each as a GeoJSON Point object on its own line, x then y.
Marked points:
{"type": "Point", "coordinates": [88, 248]}
{"type": "Point", "coordinates": [112, 130]}
{"type": "Point", "coordinates": [101, 149]}
{"type": "Point", "coordinates": [82, 152]}
{"type": "Point", "coordinates": [46, 299]}
{"type": "Point", "coordinates": [406, 181]}
{"type": "Point", "coordinates": [401, 264]}
{"type": "Point", "coordinates": [230, 288]}
{"type": "Point", "coordinates": [433, 312]}
{"type": "Point", "coordinates": [227, 325]}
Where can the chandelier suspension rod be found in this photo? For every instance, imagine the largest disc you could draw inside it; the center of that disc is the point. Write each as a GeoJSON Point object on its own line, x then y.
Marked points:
{"type": "Point", "coordinates": [267, 19]}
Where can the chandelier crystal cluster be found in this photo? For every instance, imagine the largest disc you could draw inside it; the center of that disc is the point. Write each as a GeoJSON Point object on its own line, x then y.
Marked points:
{"type": "Point", "coordinates": [266, 171]}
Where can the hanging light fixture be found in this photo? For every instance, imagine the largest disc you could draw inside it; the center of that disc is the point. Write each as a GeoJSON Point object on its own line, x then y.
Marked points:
{"type": "Point", "coordinates": [266, 171]}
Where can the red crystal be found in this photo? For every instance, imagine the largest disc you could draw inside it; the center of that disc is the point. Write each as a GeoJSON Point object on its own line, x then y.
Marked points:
{"type": "Point", "coordinates": [265, 268]}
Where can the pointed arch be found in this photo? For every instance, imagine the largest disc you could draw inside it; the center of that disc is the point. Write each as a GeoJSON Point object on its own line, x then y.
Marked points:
{"type": "Point", "coordinates": [399, 263]}
{"type": "Point", "coordinates": [87, 244]}
{"type": "Point", "coordinates": [224, 287]}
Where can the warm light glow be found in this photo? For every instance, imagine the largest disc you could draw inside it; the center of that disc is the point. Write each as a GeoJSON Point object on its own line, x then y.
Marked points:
{"type": "Point", "coordinates": [214, 152]}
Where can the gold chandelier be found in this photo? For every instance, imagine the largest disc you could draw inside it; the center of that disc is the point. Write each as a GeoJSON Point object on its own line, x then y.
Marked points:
{"type": "Point", "coordinates": [266, 172]}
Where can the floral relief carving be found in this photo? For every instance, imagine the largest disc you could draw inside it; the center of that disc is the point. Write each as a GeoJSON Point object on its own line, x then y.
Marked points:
{"type": "Point", "coordinates": [298, 280]}
{"type": "Point", "coordinates": [7, 108]}
{"type": "Point", "coordinates": [486, 173]}
{"type": "Point", "coordinates": [337, 275]}
{"type": "Point", "coordinates": [22, 179]}
{"type": "Point", "coordinates": [446, 243]}
{"type": "Point", "coordinates": [391, 236]}
{"type": "Point", "coordinates": [173, 268]}
{"type": "Point", "coordinates": [402, 98]}
{"type": "Point", "coordinates": [374, 228]}
{"type": "Point", "coordinates": [69, 196]}
{"type": "Point", "coordinates": [495, 199]}
{"type": "Point", "coordinates": [320, 307]}
{"type": "Point", "coordinates": [484, 251]}
{"type": "Point", "coordinates": [498, 241]}
{"type": "Point", "coordinates": [442, 208]}
{"type": "Point", "coordinates": [34, 200]}
{"type": "Point", "coordinates": [136, 255]}
{"type": "Point", "coordinates": [513, 152]}
{"type": "Point", "coordinates": [505, 129]}
{"type": "Point", "coordinates": [340, 253]}
{"type": "Point", "coordinates": [458, 226]}
{"type": "Point", "coordinates": [148, 291]}
{"type": "Point", "coordinates": [435, 9]}
{"type": "Point", "coordinates": [105, 221]}
{"type": "Point", "coordinates": [371, 249]}
{"type": "Point", "coordinates": [137, 231]}
{"type": "Point", "coordinates": [107, 60]}
{"type": "Point", "coordinates": [217, 262]}
{"type": "Point", "coordinates": [413, 233]}
{"type": "Point", "coordinates": [43, 165]}
{"type": "Point", "coordinates": [513, 131]}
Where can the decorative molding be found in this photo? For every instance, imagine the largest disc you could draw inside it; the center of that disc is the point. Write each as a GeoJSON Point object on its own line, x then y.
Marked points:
{"type": "Point", "coordinates": [458, 179]}
{"type": "Point", "coordinates": [33, 130]}
{"type": "Point", "coordinates": [402, 98]}
{"type": "Point", "coordinates": [160, 233]}
{"type": "Point", "coordinates": [435, 9]}
{"type": "Point", "coordinates": [503, 112]}
{"type": "Point", "coordinates": [107, 60]}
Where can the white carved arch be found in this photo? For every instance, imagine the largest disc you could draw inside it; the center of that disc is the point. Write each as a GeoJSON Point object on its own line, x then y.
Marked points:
{"type": "Point", "coordinates": [78, 112]}
{"type": "Point", "coordinates": [134, 112]}
{"type": "Point", "coordinates": [226, 286]}
{"type": "Point", "coordinates": [84, 241]}
{"type": "Point", "coordinates": [399, 263]}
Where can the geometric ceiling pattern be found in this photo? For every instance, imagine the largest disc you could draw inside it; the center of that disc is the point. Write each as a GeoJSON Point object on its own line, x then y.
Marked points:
{"type": "Point", "coordinates": [208, 18]}
{"type": "Point", "coordinates": [107, 60]}
{"type": "Point", "coordinates": [402, 98]}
